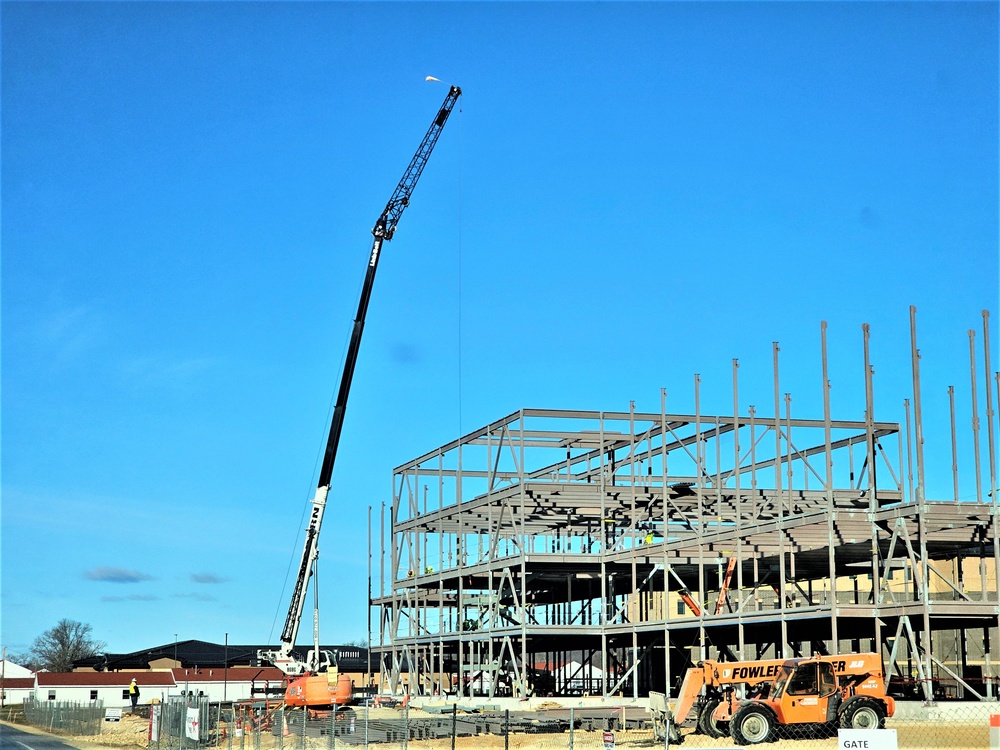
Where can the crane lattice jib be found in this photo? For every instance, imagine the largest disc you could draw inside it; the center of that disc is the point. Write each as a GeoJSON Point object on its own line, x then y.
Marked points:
{"type": "Point", "coordinates": [386, 224]}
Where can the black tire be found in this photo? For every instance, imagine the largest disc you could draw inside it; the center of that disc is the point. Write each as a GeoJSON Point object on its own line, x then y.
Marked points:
{"type": "Point", "coordinates": [863, 713]}
{"type": "Point", "coordinates": [707, 725]}
{"type": "Point", "coordinates": [752, 724]}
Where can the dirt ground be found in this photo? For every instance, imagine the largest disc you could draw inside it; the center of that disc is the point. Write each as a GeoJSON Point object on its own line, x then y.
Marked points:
{"type": "Point", "coordinates": [131, 732]}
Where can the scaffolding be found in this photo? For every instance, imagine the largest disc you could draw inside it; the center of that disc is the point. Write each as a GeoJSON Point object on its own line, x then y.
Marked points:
{"type": "Point", "coordinates": [558, 552]}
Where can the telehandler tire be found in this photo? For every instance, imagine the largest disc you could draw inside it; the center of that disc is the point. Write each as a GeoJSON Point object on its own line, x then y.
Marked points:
{"type": "Point", "coordinates": [753, 724]}
{"type": "Point", "coordinates": [707, 725]}
{"type": "Point", "coordinates": [862, 713]}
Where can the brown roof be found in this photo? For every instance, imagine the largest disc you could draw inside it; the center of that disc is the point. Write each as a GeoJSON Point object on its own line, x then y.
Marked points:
{"type": "Point", "coordinates": [98, 679]}
{"type": "Point", "coordinates": [10, 683]}
{"type": "Point", "coordinates": [233, 674]}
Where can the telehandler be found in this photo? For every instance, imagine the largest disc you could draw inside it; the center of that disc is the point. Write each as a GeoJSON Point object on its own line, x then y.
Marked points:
{"type": "Point", "coordinates": [752, 700]}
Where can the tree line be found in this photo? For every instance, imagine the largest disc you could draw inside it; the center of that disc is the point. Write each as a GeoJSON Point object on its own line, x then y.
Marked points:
{"type": "Point", "coordinates": [57, 648]}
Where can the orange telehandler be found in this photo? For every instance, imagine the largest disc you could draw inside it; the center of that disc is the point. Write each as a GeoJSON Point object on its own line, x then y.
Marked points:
{"type": "Point", "coordinates": [751, 700]}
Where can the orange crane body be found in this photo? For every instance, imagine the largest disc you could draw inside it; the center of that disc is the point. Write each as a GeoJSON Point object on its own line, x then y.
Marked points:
{"type": "Point", "coordinates": [325, 689]}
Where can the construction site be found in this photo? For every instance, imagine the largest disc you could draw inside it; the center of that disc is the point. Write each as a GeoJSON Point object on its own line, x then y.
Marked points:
{"type": "Point", "coordinates": [561, 553]}
{"type": "Point", "coordinates": [570, 553]}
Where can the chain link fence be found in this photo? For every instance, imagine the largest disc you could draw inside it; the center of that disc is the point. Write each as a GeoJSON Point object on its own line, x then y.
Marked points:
{"type": "Point", "coordinates": [188, 722]}
{"type": "Point", "coordinates": [953, 725]}
{"type": "Point", "coordinates": [69, 717]}
{"type": "Point", "coordinates": [194, 723]}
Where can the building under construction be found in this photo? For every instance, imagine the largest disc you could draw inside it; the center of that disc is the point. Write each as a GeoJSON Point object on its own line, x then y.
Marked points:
{"type": "Point", "coordinates": [575, 552]}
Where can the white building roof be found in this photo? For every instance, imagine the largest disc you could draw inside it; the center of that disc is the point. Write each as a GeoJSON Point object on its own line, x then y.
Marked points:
{"type": "Point", "coordinates": [10, 669]}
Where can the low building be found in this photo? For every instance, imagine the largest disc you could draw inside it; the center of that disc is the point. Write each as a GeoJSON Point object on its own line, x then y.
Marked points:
{"type": "Point", "coordinates": [16, 683]}
{"type": "Point", "coordinates": [202, 662]}
{"type": "Point", "coordinates": [232, 684]}
{"type": "Point", "coordinates": [110, 687]}
{"type": "Point", "coordinates": [13, 690]}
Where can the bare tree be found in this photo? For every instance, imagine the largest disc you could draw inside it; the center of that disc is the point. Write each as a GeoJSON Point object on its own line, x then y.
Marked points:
{"type": "Point", "coordinates": [25, 660]}
{"type": "Point", "coordinates": [57, 648]}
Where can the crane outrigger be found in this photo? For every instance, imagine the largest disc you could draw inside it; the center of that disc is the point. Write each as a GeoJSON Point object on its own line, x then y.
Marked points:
{"type": "Point", "coordinates": [312, 687]}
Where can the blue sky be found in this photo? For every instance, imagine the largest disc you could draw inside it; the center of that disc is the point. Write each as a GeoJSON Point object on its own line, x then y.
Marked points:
{"type": "Point", "coordinates": [631, 193]}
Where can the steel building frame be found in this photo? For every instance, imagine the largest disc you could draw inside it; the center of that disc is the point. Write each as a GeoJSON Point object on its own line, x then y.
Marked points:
{"type": "Point", "coordinates": [638, 543]}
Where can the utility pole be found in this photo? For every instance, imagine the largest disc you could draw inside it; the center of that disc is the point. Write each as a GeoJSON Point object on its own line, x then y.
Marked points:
{"type": "Point", "coordinates": [225, 670]}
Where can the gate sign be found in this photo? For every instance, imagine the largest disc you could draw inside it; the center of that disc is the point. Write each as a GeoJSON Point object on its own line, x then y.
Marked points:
{"type": "Point", "coordinates": [191, 725]}
{"type": "Point", "coordinates": [112, 714]}
{"type": "Point", "coordinates": [866, 739]}
{"type": "Point", "coordinates": [609, 741]}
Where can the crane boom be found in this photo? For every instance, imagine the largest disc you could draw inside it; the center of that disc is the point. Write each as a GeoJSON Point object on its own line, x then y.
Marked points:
{"type": "Point", "coordinates": [285, 657]}
{"type": "Point", "coordinates": [385, 227]}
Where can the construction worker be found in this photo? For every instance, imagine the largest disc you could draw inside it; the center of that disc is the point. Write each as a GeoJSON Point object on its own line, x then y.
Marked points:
{"type": "Point", "coordinates": [133, 693]}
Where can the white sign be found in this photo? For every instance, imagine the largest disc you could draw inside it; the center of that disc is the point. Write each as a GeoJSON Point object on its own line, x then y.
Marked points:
{"type": "Point", "coordinates": [866, 739]}
{"type": "Point", "coordinates": [191, 725]}
{"type": "Point", "coordinates": [609, 741]}
{"type": "Point", "coordinates": [112, 714]}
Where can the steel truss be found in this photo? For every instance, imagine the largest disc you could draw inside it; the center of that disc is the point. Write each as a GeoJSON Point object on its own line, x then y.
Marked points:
{"type": "Point", "coordinates": [567, 552]}
{"type": "Point", "coordinates": [555, 536]}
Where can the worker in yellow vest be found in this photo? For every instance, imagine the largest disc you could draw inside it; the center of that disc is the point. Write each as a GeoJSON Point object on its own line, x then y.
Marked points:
{"type": "Point", "coordinates": [133, 693]}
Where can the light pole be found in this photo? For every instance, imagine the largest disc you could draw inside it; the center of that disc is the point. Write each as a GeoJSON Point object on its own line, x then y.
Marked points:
{"type": "Point", "coordinates": [225, 670]}
{"type": "Point", "coordinates": [175, 650]}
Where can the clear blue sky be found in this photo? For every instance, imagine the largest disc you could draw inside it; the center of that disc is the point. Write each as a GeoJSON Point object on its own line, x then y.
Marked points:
{"type": "Point", "coordinates": [632, 193]}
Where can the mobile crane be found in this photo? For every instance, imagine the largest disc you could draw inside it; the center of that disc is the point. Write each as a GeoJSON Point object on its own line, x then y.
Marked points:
{"type": "Point", "coordinates": [818, 692]}
{"type": "Point", "coordinates": [311, 687]}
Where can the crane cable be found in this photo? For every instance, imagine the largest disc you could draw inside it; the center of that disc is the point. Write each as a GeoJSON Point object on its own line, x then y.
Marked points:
{"type": "Point", "coordinates": [311, 488]}
{"type": "Point", "coordinates": [461, 154]}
